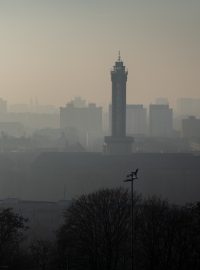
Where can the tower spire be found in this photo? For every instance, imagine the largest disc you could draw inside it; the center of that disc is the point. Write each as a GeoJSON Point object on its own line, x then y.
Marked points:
{"type": "Point", "coordinates": [119, 56]}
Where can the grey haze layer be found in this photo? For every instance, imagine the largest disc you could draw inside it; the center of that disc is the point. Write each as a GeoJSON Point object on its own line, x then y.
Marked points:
{"type": "Point", "coordinates": [56, 176]}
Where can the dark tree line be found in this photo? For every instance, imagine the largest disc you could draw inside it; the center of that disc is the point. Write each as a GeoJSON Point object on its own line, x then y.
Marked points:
{"type": "Point", "coordinates": [96, 227]}
{"type": "Point", "coordinates": [96, 235]}
{"type": "Point", "coordinates": [12, 227]}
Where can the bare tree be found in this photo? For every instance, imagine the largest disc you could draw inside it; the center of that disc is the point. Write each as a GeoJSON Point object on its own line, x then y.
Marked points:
{"type": "Point", "coordinates": [41, 253]}
{"type": "Point", "coordinates": [96, 233]}
{"type": "Point", "coordinates": [12, 227]}
{"type": "Point", "coordinates": [167, 236]}
{"type": "Point", "coordinates": [96, 230]}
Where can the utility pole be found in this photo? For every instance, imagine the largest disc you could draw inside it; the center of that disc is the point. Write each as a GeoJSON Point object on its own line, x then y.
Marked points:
{"type": "Point", "coordinates": [131, 178]}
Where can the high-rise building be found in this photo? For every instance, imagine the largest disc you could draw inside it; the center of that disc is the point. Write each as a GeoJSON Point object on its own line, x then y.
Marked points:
{"type": "Point", "coordinates": [83, 118]}
{"type": "Point", "coordinates": [83, 123]}
{"type": "Point", "coordinates": [191, 127]}
{"type": "Point", "coordinates": [160, 120]}
{"type": "Point", "coordinates": [118, 142]}
{"type": "Point", "coordinates": [136, 119]}
{"type": "Point", "coordinates": [79, 102]}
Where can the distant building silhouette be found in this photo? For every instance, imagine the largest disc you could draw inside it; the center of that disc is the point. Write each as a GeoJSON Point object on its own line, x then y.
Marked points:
{"type": "Point", "coordinates": [19, 108]}
{"type": "Point", "coordinates": [160, 120]}
{"type": "Point", "coordinates": [32, 121]}
{"type": "Point", "coordinates": [15, 129]}
{"type": "Point", "coordinates": [118, 142]}
{"type": "Point", "coordinates": [191, 127]}
{"type": "Point", "coordinates": [136, 119]}
{"type": "Point", "coordinates": [3, 106]}
{"type": "Point", "coordinates": [162, 101]}
{"type": "Point", "coordinates": [188, 106]}
{"type": "Point", "coordinates": [85, 123]}
{"type": "Point", "coordinates": [79, 102]}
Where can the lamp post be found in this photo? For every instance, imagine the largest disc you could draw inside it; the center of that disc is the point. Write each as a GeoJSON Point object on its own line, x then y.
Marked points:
{"type": "Point", "coordinates": [130, 178]}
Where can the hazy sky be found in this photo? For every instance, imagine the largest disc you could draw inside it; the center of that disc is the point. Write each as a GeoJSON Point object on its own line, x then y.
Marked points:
{"type": "Point", "coordinates": [57, 49]}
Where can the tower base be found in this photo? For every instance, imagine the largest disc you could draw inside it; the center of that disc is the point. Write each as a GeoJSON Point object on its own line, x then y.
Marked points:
{"type": "Point", "coordinates": [118, 145]}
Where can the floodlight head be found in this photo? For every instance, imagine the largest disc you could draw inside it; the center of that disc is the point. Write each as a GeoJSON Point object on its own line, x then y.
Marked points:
{"type": "Point", "coordinates": [127, 180]}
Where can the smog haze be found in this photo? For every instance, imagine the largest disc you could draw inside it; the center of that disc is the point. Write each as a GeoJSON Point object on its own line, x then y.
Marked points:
{"type": "Point", "coordinates": [55, 50]}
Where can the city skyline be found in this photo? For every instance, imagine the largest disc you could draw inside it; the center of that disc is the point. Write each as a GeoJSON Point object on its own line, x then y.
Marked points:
{"type": "Point", "coordinates": [57, 50]}
{"type": "Point", "coordinates": [95, 93]}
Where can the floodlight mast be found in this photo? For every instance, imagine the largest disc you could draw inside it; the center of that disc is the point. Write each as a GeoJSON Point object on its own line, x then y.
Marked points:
{"type": "Point", "coordinates": [131, 178]}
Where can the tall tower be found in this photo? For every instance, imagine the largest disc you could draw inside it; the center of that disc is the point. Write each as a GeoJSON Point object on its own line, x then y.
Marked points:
{"type": "Point", "coordinates": [118, 142]}
{"type": "Point", "coordinates": [119, 78]}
